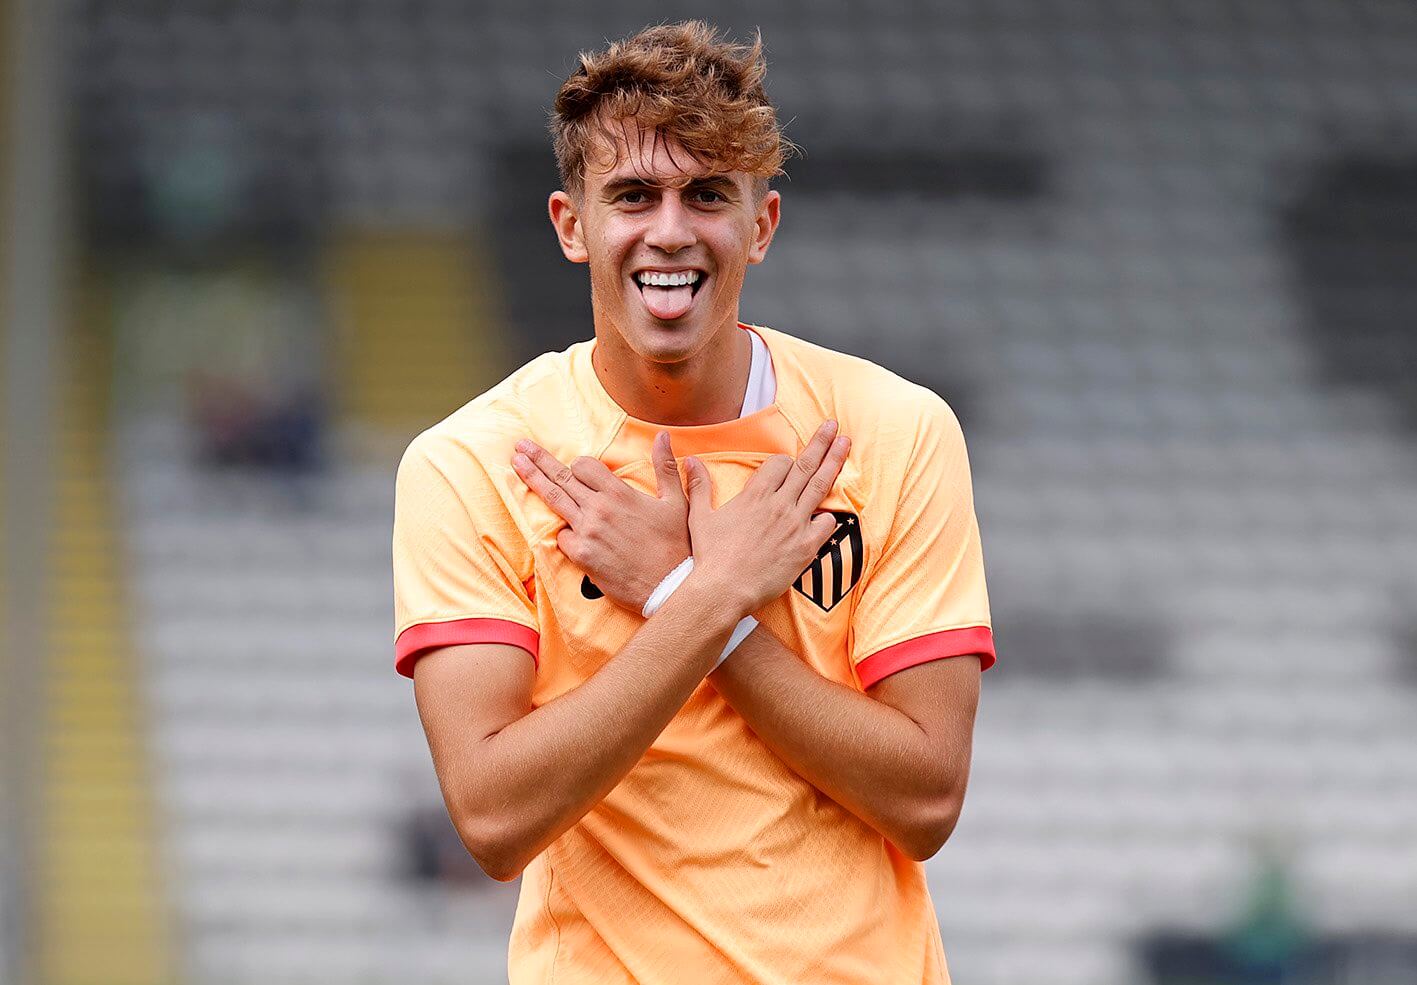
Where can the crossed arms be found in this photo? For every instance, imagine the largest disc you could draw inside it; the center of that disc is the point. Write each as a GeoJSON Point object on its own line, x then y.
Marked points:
{"type": "Point", "coordinates": [515, 778]}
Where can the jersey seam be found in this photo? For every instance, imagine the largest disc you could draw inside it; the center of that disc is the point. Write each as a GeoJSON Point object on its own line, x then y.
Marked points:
{"type": "Point", "coordinates": [622, 416]}
{"type": "Point", "coordinates": [452, 487]}
{"type": "Point", "coordinates": [848, 487]}
{"type": "Point", "coordinates": [546, 904]}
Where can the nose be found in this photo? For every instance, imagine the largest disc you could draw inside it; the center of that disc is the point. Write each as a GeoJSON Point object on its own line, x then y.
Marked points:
{"type": "Point", "coordinates": [671, 227]}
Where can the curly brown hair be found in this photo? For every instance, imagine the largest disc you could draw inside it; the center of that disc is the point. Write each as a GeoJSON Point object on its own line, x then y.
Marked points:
{"type": "Point", "coordinates": [681, 81]}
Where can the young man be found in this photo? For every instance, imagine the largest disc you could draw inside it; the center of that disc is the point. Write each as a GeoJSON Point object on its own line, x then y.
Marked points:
{"type": "Point", "coordinates": [678, 815]}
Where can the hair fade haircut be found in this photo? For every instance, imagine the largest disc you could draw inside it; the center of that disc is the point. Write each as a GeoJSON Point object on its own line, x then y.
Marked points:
{"type": "Point", "coordinates": [681, 81]}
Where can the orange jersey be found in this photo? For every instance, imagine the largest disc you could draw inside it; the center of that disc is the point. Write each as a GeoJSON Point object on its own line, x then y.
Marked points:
{"type": "Point", "coordinates": [711, 861]}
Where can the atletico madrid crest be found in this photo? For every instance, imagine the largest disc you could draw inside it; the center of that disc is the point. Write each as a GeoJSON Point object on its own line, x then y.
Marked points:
{"type": "Point", "coordinates": [837, 569]}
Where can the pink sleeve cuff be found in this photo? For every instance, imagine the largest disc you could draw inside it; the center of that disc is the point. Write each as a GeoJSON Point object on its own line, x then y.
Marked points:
{"type": "Point", "coordinates": [418, 639]}
{"type": "Point", "coordinates": [977, 640]}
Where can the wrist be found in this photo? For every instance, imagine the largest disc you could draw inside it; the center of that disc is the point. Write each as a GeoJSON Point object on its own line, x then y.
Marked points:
{"type": "Point", "coordinates": [718, 612]}
{"type": "Point", "coordinates": [666, 586]}
{"type": "Point", "coordinates": [741, 632]}
{"type": "Point", "coordinates": [723, 598]}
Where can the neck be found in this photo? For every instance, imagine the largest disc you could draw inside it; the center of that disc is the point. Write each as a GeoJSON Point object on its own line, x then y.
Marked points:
{"type": "Point", "coordinates": [707, 388]}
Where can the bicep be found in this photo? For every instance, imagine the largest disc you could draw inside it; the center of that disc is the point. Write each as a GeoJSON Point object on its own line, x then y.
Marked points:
{"type": "Point", "coordinates": [466, 693]}
{"type": "Point", "coordinates": [942, 697]}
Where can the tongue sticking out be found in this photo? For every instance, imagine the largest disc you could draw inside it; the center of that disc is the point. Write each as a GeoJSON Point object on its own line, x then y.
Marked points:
{"type": "Point", "coordinates": [668, 303]}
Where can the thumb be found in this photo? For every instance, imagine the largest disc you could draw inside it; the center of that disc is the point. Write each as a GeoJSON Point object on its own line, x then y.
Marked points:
{"type": "Point", "coordinates": [666, 470]}
{"type": "Point", "coordinates": [700, 486]}
{"type": "Point", "coordinates": [822, 525]}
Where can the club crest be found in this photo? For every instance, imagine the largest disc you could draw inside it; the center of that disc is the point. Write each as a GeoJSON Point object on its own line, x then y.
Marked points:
{"type": "Point", "coordinates": [837, 569]}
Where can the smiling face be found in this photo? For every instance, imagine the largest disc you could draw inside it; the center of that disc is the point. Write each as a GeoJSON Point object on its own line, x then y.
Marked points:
{"type": "Point", "coordinates": [668, 239]}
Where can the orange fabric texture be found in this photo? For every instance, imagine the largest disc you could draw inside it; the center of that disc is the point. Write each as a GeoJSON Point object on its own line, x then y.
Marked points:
{"type": "Point", "coordinates": [711, 861]}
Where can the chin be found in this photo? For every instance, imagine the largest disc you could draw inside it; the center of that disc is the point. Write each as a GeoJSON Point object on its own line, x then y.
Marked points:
{"type": "Point", "coordinates": [666, 342]}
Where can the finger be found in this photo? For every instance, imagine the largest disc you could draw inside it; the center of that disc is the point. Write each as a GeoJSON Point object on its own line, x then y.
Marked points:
{"type": "Point", "coordinates": [595, 475]}
{"type": "Point", "coordinates": [822, 525]}
{"type": "Point", "coordinates": [820, 528]}
{"type": "Point", "coordinates": [551, 494]}
{"type": "Point", "coordinates": [824, 478]}
{"type": "Point", "coordinates": [700, 487]}
{"type": "Point", "coordinates": [666, 470]}
{"type": "Point", "coordinates": [810, 460]}
{"type": "Point", "coordinates": [552, 468]}
{"type": "Point", "coordinates": [769, 475]}
{"type": "Point", "coordinates": [569, 544]}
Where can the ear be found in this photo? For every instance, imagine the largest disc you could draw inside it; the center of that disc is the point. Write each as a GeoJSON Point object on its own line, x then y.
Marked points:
{"type": "Point", "coordinates": [568, 227]}
{"type": "Point", "coordinates": [764, 225]}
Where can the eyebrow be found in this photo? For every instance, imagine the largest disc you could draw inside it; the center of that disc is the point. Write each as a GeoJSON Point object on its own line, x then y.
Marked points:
{"type": "Point", "coordinates": [712, 182]}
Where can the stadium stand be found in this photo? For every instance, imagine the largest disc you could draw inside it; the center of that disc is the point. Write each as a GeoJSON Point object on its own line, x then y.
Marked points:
{"type": "Point", "coordinates": [1163, 463]}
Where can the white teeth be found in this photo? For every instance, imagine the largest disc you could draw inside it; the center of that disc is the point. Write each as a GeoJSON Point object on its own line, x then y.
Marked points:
{"type": "Point", "coordinates": [656, 279]}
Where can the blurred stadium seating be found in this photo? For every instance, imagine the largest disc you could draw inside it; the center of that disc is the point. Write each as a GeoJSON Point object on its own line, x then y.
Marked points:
{"type": "Point", "coordinates": [1158, 255]}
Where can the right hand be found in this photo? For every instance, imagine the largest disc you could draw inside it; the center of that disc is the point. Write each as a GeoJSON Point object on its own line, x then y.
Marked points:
{"type": "Point", "coordinates": [624, 540]}
{"type": "Point", "coordinates": [759, 542]}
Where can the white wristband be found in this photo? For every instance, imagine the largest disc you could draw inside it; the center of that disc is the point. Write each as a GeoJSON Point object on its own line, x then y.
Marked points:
{"type": "Point", "coordinates": [666, 587]}
{"type": "Point", "coordinates": [673, 580]}
{"type": "Point", "coordinates": [740, 632]}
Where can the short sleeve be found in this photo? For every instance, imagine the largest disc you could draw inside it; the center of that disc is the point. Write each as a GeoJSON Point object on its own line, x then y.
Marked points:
{"type": "Point", "coordinates": [925, 597]}
{"type": "Point", "coordinates": [461, 565]}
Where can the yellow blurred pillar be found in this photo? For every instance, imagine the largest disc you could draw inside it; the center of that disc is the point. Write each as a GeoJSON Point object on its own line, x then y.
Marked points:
{"type": "Point", "coordinates": [414, 326]}
{"type": "Point", "coordinates": [102, 916]}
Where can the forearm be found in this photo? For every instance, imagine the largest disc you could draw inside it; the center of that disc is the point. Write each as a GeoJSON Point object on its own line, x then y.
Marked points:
{"type": "Point", "coordinates": [544, 771]}
{"type": "Point", "coordinates": [870, 758]}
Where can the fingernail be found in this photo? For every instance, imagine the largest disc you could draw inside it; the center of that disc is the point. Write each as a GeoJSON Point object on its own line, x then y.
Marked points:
{"type": "Point", "coordinates": [842, 443]}
{"type": "Point", "coordinates": [523, 445]}
{"type": "Point", "coordinates": [520, 461]}
{"type": "Point", "coordinates": [830, 425]}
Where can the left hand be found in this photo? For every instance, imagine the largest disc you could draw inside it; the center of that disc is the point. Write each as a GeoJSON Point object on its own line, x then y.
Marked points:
{"type": "Point", "coordinates": [623, 539]}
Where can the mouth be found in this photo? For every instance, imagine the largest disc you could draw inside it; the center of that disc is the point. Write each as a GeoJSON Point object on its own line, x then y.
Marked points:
{"type": "Point", "coordinates": [669, 294]}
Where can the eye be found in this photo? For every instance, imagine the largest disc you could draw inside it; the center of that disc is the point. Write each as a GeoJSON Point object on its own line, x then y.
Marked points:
{"type": "Point", "coordinates": [715, 196]}
{"type": "Point", "coordinates": [638, 197]}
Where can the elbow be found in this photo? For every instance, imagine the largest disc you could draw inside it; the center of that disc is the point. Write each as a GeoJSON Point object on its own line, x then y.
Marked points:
{"type": "Point", "coordinates": [498, 868]}
{"type": "Point", "coordinates": [924, 838]}
{"type": "Point", "coordinates": [495, 852]}
{"type": "Point", "coordinates": [509, 874]}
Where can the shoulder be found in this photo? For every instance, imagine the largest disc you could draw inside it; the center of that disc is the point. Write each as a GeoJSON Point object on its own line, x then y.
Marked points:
{"type": "Point", "coordinates": [482, 433]}
{"type": "Point", "coordinates": [869, 401]}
